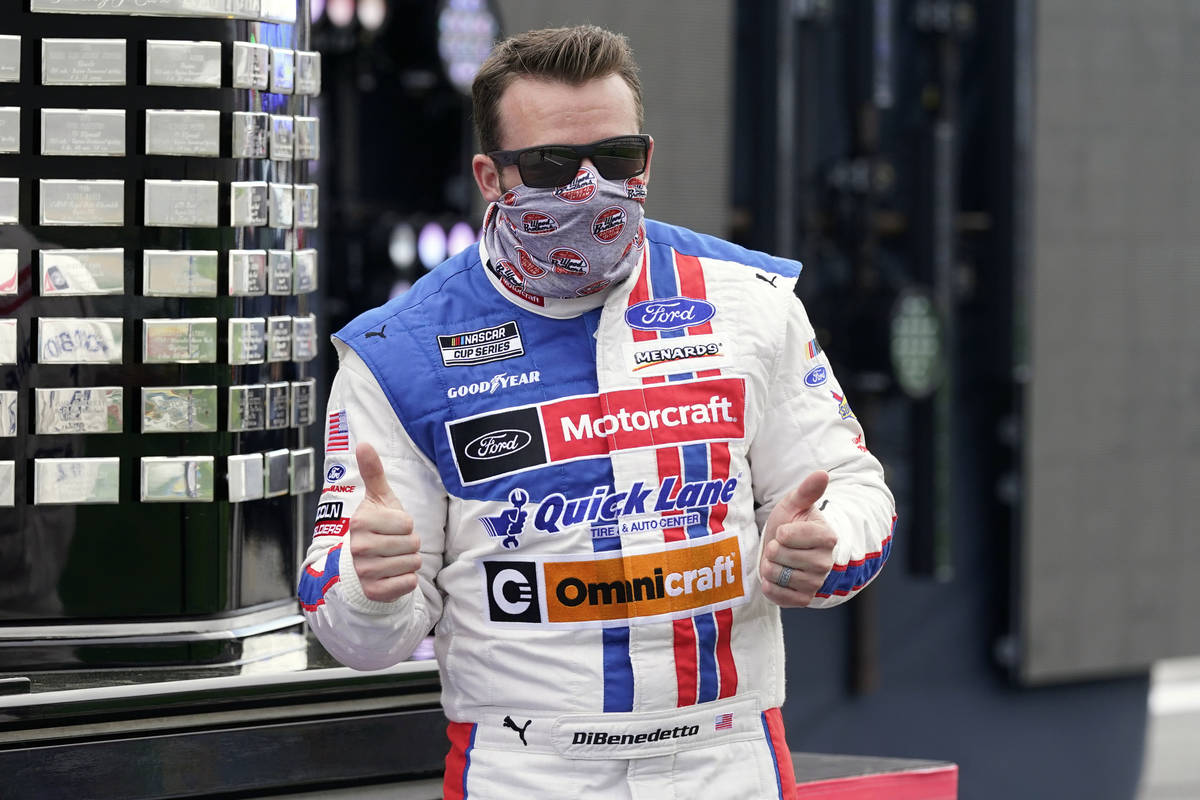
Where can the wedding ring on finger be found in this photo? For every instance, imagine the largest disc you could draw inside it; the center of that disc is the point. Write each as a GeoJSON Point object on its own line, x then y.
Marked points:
{"type": "Point", "coordinates": [784, 576]}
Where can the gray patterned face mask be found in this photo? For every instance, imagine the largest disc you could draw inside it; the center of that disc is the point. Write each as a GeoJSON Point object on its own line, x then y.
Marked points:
{"type": "Point", "coordinates": [571, 241]}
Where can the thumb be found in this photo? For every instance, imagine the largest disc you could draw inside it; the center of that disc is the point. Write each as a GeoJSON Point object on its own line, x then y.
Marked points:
{"type": "Point", "coordinates": [804, 496]}
{"type": "Point", "coordinates": [371, 470]}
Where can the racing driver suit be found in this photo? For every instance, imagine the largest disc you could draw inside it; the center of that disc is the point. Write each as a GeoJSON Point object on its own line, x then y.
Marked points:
{"type": "Point", "coordinates": [589, 479]}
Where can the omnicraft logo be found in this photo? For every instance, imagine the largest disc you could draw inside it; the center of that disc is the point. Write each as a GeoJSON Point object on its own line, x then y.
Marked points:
{"type": "Point", "coordinates": [634, 588]}
{"type": "Point", "coordinates": [592, 426]}
{"type": "Point", "coordinates": [481, 346]}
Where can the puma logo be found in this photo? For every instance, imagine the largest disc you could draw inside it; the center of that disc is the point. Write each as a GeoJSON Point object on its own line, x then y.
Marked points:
{"type": "Point", "coordinates": [823, 505]}
{"type": "Point", "coordinates": [508, 723]}
{"type": "Point", "coordinates": [764, 278]}
{"type": "Point", "coordinates": [380, 333]}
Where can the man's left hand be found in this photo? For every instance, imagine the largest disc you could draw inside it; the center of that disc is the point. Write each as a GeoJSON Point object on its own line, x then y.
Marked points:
{"type": "Point", "coordinates": [797, 546]}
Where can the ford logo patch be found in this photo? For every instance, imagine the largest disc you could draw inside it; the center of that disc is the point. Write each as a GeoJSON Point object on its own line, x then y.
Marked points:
{"type": "Point", "coordinates": [335, 473]}
{"type": "Point", "coordinates": [497, 444]}
{"type": "Point", "coordinates": [668, 315]}
{"type": "Point", "coordinates": [816, 376]}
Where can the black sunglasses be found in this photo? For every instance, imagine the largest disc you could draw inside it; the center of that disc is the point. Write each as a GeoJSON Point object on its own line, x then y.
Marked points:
{"type": "Point", "coordinates": [548, 166]}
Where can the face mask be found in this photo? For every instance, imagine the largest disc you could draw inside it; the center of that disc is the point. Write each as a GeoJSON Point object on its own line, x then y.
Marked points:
{"type": "Point", "coordinates": [571, 241]}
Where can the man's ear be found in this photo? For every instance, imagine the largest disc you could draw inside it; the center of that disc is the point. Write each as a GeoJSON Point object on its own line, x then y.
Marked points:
{"type": "Point", "coordinates": [487, 177]}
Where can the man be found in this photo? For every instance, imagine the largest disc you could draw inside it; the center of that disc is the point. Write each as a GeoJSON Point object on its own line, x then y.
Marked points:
{"type": "Point", "coordinates": [598, 454]}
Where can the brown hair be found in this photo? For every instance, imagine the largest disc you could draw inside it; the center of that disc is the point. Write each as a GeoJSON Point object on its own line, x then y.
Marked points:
{"type": "Point", "coordinates": [569, 55]}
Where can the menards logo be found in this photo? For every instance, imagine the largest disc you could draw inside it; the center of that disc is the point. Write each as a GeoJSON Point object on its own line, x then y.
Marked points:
{"type": "Point", "coordinates": [591, 426]}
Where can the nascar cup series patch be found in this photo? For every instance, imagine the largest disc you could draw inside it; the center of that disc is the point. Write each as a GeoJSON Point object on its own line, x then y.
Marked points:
{"type": "Point", "coordinates": [482, 346]}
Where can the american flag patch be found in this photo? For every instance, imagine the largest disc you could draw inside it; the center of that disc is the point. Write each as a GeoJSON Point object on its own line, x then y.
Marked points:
{"type": "Point", "coordinates": [814, 348]}
{"type": "Point", "coordinates": [723, 722]}
{"type": "Point", "coordinates": [337, 434]}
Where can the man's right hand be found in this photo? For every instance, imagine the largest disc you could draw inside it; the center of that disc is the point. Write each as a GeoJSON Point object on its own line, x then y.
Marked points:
{"type": "Point", "coordinates": [385, 549]}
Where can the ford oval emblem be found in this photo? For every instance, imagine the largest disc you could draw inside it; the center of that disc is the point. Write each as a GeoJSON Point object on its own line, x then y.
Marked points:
{"type": "Point", "coordinates": [816, 376]}
{"type": "Point", "coordinates": [670, 314]}
{"type": "Point", "coordinates": [335, 473]}
{"type": "Point", "coordinates": [497, 444]}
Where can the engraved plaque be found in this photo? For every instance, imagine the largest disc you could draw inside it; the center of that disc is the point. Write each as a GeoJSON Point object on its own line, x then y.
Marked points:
{"type": "Point", "coordinates": [247, 340]}
{"type": "Point", "coordinates": [308, 72]}
{"type": "Point", "coordinates": [10, 199]}
{"type": "Point", "coordinates": [178, 63]}
{"type": "Point", "coordinates": [187, 479]}
{"type": "Point", "coordinates": [10, 61]}
{"type": "Point", "coordinates": [8, 475]}
{"type": "Point", "coordinates": [247, 408]}
{"type": "Point", "coordinates": [179, 273]}
{"type": "Point", "coordinates": [183, 133]}
{"type": "Point", "coordinates": [279, 338]}
{"type": "Point", "coordinates": [76, 480]}
{"type": "Point", "coordinates": [305, 195]}
{"type": "Point", "coordinates": [250, 129]}
{"type": "Point", "coordinates": [74, 202]}
{"type": "Point", "coordinates": [82, 272]}
{"type": "Point", "coordinates": [280, 206]}
{"type": "Point", "coordinates": [276, 464]}
{"type": "Point", "coordinates": [8, 413]}
{"type": "Point", "coordinates": [247, 273]}
{"type": "Point", "coordinates": [248, 203]}
{"type": "Point", "coordinates": [10, 129]}
{"type": "Point", "coordinates": [83, 62]}
{"type": "Point", "coordinates": [304, 402]}
{"type": "Point", "coordinates": [83, 132]}
{"type": "Point", "coordinates": [251, 65]}
{"type": "Point", "coordinates": [279, 269]}
{"type": "Point", "coordinates": [278, 413]}
{"type": "Point", "coordinates": [283, 70]}
{"type": "Point", "coordinates": [92, 409]}
{"type": "Point", "coordinates": [179, 341]}
{"type": "Point", "coordinates": [304, 338]}
{"type": "Point", "coordinates": [307, 138]}
{"type": "Point", "coordinates": [179, 409]}
{"type": "Point", "coordinates": [182, 204]}
{"type": "Point", "coordinates": [282, 146]}
{"type": "Point", "coordinates": [304, 271]}
{"type": "Point", "coordinates": [8, 341]}
{"type": "Point", "coordinates": [245, 477]}
{"type": "Point", "coordinates": [9, 271]}
{"type": "Point", "coordinates": [75, 340]}
{"type": "Point", "coordinates": [302, 470]}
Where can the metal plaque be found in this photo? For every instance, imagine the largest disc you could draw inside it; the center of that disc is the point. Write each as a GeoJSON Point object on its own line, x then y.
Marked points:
{"type": "Point", "coordinates": [247, 273]}
{"type": "Point", "coordinates": [304, 402]}
{"type": "Point", "coordinates": [304, 338]}
{"type": "Point", "coordinates": [178, 63]}
{"type": "Point", "coordinates": [278, 413]}
{"type": "Point", "coordinates": [8, 341]}
{"type": "Point", "coordinates": [304, 271]}
{"type": "Point", "coordinates": [307, 143]}
{"type": "Point", "coordinates": [175, 479]}
{"type": "Point", "coordinates": [82, 272]}
{"type": "Point", "coordinates": [280, 210]}
{"type": "Point", "coordinates": [75, 340]}
{"type": "Point", "coordinates": [83, 62]}
{"type": "Point", "coordinates": [250, 134]}
{"type": "Point", "coordinates": [263, 10]}
{"type": "Point", "coordinates": [245, 477]}
{"type": "Point", "coordinates": [283, 70]}
{"type": "Point", "coordinates": [92, 409]}
{"type": "Point", "coordinates": [279, 269]}
{"type": "Point", "coordinates": [10, 59]}
{"type": "Point", "coordinates": [282, 138]}
{"type": "Point", "coordinates": [247, 408]}
{"type": "Point", "coordinates": [8, 474]}
{"type": "Point", "coordinates": [182, 204]}
{"type": "Point", "coordinates": [10, 200]}
{"type": "Point", "coordinates": [247, 340]}
{"type": "Point", "coordinates": [8, 413]}
{"type": "Point", "coordinates": [276, 465]}
{"type": "Point", "coordinates": [183, 133]}
{"type": "Point", "coordinates": [302, 470]}
{"type": "Point", "coordinates": [9, 271]}
{"type": "Point", "coordinates": [179, 273]}
{"type": "Point", "coordinates": [10, 129]}
{"type": "Point", "coordinates": [279, 338]}
{"type": "Point", "coordinates": [308, 72]}
{"type": "Point", "coordinates": [179, 409]}
{"type": "Point", "coordinates": [251, 65]}
{"type": "Point", "coordinates": [305, 195]}
{"type": "Point", "coordinates": [179, 341]}
{"type": "Point", "coordinates": [83, 132]}
{"type": "Point", "coordinates": [76, 480]}
{"type": "Point", "coordinates": [75, 202]}
{"type": "Point", "coordinates": [248, 203]}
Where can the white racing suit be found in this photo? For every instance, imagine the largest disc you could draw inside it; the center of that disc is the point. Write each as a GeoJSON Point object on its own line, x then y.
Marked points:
{"type": "Point", "coordinates": [589, 479]}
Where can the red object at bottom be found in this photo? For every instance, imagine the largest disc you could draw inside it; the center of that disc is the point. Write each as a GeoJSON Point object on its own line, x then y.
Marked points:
{"type": "Point", "coordinates": [930, 783]}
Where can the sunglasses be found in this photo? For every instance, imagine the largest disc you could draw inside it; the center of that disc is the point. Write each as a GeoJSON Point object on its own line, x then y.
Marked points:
{"type": "Point", "coordinates": [548, 166]}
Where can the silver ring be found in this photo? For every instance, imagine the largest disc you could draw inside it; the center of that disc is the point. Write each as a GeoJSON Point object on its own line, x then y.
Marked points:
{"type": "Point", "coordinates": [784, 577]}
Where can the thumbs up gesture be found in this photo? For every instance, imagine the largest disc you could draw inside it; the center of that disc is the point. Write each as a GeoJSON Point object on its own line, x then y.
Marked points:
{"type": "Point", "coordinates": [385, 549]}
{"type": "Point", "coordinates": [797, 552]}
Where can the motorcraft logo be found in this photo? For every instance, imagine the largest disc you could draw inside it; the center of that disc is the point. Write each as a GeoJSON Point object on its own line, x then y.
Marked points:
{"type": "Point", "coordinates": [579, 190]}
{"type": "Point", "coordinates": [669, 315]}
{"type": "Point", "coordinates": [568, 262]}
{"type": "Point", "coordinates": [666, 356]}
{"type": "Point", "coordinates": [482, 346]}
{"type": "Point", "coordinates": [537, 222]}
{"type": "Point", "coordinates": [587, 592]}
{"type": "Point", "coordinates": [608, 224]}
{"type": "Point", "coordinates": [635, 189]}
{"type": "Point", "coordinates": [591, 426]}
{"type": "Point", "coordinates": [497, 383]}
{"type": "Point", "coordinates": [528, 265]}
